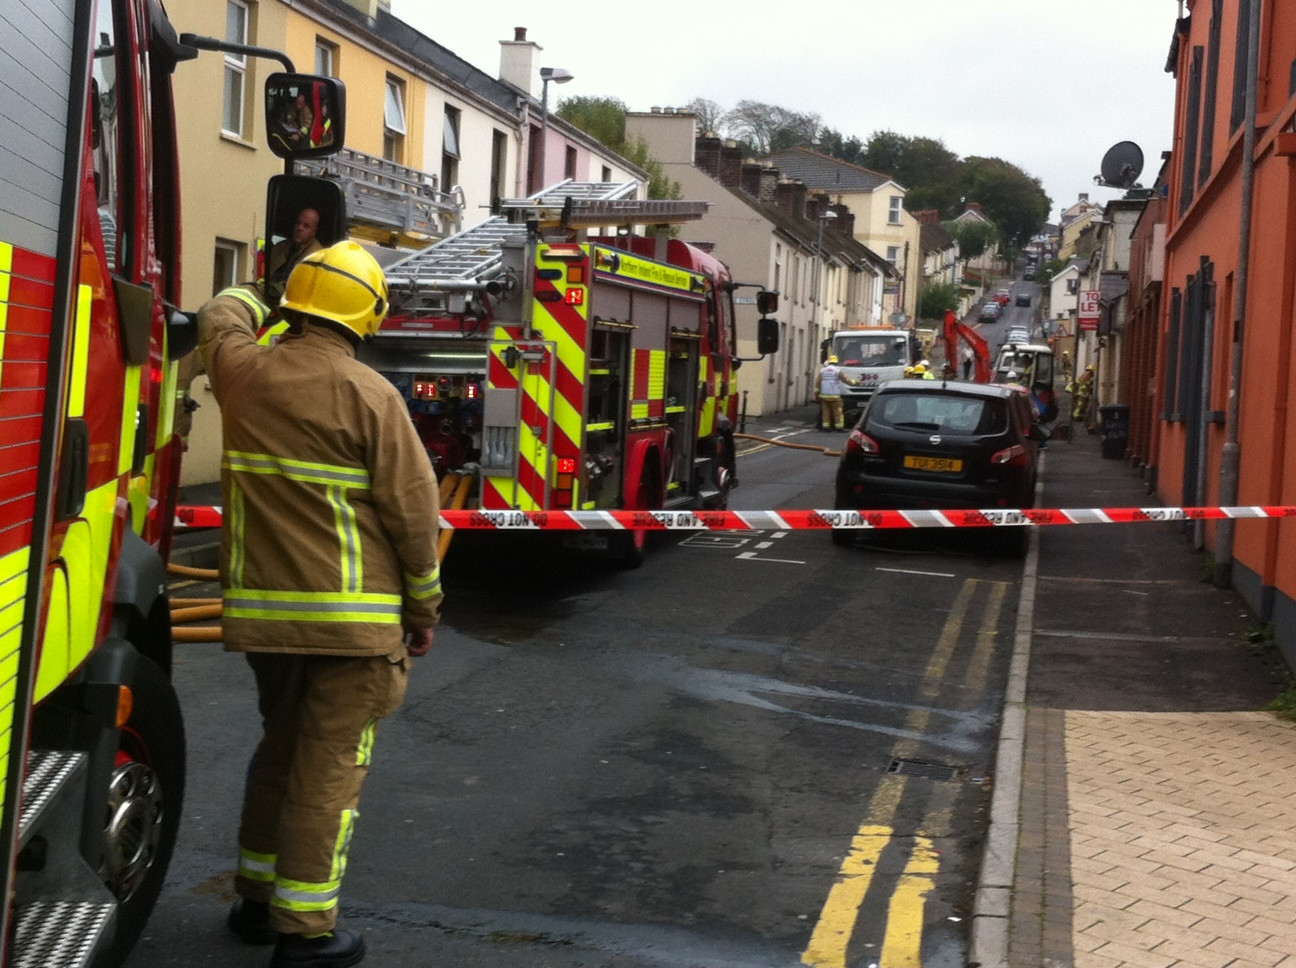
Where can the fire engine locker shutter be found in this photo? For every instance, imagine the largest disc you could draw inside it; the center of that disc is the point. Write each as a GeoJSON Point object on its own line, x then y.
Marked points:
{"type": "Point", "coordinates": [38, 40]}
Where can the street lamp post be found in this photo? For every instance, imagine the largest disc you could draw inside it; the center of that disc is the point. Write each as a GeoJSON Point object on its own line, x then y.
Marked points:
{"type": "Point", "coordinates": [559, 76]}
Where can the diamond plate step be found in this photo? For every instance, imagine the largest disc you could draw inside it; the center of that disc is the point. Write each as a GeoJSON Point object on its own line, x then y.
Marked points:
{"type": "Point", "coordinates": [59, 934]}
{"type": "Point", "coordinates": [48, 772]}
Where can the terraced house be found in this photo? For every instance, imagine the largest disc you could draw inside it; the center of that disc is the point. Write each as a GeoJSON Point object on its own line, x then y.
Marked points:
{"type": "Point", "coordinates": [432, 142]}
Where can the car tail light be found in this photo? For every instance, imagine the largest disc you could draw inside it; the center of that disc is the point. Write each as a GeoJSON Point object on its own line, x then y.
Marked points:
{"type": "Point", "coordinates": [861, 443]}
{"type": "Point", "coordinates": [1016, 454]}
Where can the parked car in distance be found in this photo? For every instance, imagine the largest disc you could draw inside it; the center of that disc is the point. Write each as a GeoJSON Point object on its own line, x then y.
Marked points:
{"type": "Point", "coordinates": [927, 444]}
{"type": "Point", "coordinates": [1017, 334]}
{"type": "Point", "coordinates": [1029, 274]}
{"type": "Point", "coordinates": [1002, 296]}
{"type": "Point", "coordinates": [989, 312]}
{"type": "Point", "coordinates": [1023, 299]}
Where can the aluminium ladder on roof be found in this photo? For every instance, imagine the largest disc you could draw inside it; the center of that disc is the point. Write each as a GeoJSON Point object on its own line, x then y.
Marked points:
{"type": "Point", "coordinates": [468, 260]}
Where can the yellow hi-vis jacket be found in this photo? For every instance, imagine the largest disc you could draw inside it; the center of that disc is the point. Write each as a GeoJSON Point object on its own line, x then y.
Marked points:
{"type": "Point", "coordinates": [328, 543]}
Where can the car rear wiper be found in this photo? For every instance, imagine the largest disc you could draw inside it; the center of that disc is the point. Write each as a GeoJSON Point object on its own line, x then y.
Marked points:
{"type": "Point", "coordinates": [916, 425]}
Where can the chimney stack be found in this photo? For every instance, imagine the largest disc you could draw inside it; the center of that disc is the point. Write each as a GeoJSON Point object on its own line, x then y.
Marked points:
{"type": "Point", "coordinates": [520, 62]}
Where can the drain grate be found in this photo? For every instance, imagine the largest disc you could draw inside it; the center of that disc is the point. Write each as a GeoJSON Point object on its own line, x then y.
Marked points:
{"type": "Point", "coordinates": [926, 771]}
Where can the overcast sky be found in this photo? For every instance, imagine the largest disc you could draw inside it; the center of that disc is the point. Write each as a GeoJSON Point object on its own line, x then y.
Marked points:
{"type": "Point", "coordinates": [1045, 84]}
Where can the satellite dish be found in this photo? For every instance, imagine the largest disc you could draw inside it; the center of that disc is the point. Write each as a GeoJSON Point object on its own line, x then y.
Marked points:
{"type": "Point", "coordinates": [1121, 166]}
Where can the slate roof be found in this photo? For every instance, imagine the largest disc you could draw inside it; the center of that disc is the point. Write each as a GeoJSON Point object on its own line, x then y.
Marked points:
{"type": "Point", "coordinates": [934, 237]}
{"type": "Point", "coordinates": [822, 172]}
{"type": "Point", "coordinates": [843, 248]}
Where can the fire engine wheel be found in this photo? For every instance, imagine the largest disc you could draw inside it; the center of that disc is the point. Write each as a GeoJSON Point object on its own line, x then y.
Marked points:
{"type": "Point", "coordinates": [633, 547]}
{"type": "Point", "coordinates": [143, 805]}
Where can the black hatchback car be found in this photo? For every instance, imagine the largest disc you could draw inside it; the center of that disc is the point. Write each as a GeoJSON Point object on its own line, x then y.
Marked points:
{"type": "Point", "coordinates": [929, 444]}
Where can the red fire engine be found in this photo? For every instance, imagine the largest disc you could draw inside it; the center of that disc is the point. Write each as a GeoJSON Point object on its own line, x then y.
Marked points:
{"type": "Point", "coordinates": [570, 370]}
{"type": "Point", "coordinates": [93, 756]}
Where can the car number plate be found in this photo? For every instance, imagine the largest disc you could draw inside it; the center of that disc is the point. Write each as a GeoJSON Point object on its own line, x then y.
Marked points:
{"type": "Point", "coordinates": [949, 465]}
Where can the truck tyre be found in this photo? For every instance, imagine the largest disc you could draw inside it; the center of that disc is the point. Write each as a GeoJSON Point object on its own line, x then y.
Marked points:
{"type": "Point", "coordinates": [144, 800]}
{"type": "Point", "coordinates": [842, 537]}
{"type": "Point", "coordinates": [632, 546]}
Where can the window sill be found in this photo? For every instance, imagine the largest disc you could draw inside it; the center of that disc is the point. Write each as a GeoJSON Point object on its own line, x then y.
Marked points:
{"type": "Point", "coordinates": [237, 140]}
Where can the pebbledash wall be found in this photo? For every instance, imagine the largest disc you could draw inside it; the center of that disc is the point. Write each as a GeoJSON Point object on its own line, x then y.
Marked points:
{"type": "Point", "coordinates": [1203, 213]}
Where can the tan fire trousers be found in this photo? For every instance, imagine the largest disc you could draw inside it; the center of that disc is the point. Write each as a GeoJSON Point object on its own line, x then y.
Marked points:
{"type": "Point", "coordinates": [320, 716]}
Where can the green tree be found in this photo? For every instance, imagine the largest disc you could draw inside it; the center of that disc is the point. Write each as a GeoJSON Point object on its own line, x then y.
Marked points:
{"type": "Point", "coordinates": [600, 117]}
{"type": "Point", "coordinates": [836, 145]}
{"type": "Point", "coordinates": [765, 128]}
{"type": "Point", "coordinates": [973, 236]}
{"type": "Point", "coordinates": [1012, 199]}
{"type": "Point", "coordinates": [604, 118]}
{"type": "Point", "coordinates": [935, 298]}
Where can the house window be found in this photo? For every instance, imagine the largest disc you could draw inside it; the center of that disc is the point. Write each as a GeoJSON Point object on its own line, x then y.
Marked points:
{"type": "Point", "coordinates": [394, 120]}
{"type": "Point", "coordinates": [893, 217]}
{"type": "Point", "coordinates": [1212, 78]}
{"type": "Point", "coordinates": [225, 268]}
{"type": "Point", "coordinates": [236, 32]}
{"type": "Point", "coordinates": [607, 174]}
{"type": "Point", "coordinates": [1187, 183]}
{"type": "Point", "coordinates": [1242, 66]}
{"type": "Point", "coordinates": [893, 254]}
{"type": "Point", "coordinates": [325, 58]}
{"type": "Point", "coordinates": [450, 149]}
{"type": "Point", "coordinates": [569, 163]}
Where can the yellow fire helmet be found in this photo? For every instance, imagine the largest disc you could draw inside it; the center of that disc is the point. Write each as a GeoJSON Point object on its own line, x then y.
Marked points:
{"type": "Point", "coordinates": [342, 283]}
{"type": "Point", "coordinates": [832, 359]}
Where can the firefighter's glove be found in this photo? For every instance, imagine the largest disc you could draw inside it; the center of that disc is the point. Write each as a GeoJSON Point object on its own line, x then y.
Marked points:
{"type": "Point", "coordinates": [418, 641]}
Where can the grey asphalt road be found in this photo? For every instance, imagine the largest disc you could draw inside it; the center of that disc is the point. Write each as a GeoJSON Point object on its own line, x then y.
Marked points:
{"type": "Point", "coordinates": [676, 766]}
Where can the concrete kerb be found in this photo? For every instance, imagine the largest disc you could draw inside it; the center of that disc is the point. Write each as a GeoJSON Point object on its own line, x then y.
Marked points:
{"type": "Point", "coordinates": [988, 944]}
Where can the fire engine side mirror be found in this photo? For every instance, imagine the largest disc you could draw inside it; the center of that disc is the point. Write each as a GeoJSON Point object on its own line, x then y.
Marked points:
{"type": "Point", "coordinates": [767, 302]}
{"type": "Point", "coordinates": [305, 115]}
{"type": "Point", "coordinates": [767, 335]}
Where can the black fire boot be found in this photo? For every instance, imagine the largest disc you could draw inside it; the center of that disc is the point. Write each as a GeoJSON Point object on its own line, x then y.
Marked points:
{"type": "Point", "coordinates": [337, 949]}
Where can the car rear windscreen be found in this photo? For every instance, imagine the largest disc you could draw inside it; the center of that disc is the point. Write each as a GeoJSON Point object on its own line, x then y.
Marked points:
{"type": "Point", "coordinates": [940, 413]}
{"type": "Point", "coordinates": [871, 350]}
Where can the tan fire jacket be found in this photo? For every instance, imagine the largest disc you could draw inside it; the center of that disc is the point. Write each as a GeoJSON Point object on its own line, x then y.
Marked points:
{"type": "Point", "coordinates": [330, 503]}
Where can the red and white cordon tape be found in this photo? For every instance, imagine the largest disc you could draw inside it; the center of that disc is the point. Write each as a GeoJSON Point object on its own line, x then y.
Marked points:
{"type": "Point", "coordinates": [812, 520]}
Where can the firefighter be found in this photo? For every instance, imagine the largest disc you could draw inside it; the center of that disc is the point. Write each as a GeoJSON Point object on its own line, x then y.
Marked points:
{"type": "Point", "coordinates": [828, 386]}
{"type": "Point", "coordinates": [1082, 392]}
{"type": "Point", "coordinates": [285, 255]}
{"type": "Point", "coordinates": [331, 581]}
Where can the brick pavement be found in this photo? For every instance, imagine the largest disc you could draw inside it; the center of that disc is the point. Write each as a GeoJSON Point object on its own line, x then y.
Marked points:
{"type": "Point", "coordinates": [1153, 824]}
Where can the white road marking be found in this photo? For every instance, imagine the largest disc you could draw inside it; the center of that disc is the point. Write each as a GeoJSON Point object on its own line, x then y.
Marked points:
{"type": "Point", "coordinates": [908, 571]}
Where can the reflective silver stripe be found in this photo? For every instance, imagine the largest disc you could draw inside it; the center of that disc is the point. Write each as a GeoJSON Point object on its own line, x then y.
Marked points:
{"type": "Point", "coordinates": [421, 587]}
{"type": "Point", "coordinates": [256, 867]}
{"type": "Point", "coordinates": [296, 470]}
{"type": "Point", "coordinates": [348, 539]}
{"type": "Point", "coordinates": [364, 752]}
{"type": "Point", "coordinates": [342, 847]}
{"type": "Point", "coordinates": [235, 602]}
{"type": "Point", "coordinates": [259, 309]}
{"type": "Point", "coordinates": [298, 899]}
{"type": "Point", "coordinates": [237, 520]}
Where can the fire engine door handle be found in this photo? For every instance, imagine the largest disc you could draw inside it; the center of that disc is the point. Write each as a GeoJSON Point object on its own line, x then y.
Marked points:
{"type": "Point", "coordinates": [74, 469]}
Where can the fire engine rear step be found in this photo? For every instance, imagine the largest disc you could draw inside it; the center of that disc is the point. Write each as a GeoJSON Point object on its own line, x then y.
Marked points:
{"type": "Point", "coordinates": [59, 934]}
{"type": "Point", "coordinates": [73, 912]}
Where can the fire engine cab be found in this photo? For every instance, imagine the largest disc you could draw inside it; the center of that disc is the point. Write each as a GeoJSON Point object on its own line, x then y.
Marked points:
{"type": "Point", "coordinates": [92, 749]}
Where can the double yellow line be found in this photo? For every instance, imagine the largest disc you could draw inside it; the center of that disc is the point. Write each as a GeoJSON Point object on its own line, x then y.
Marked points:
{"type": "Point", "coordinates": [902, 942]}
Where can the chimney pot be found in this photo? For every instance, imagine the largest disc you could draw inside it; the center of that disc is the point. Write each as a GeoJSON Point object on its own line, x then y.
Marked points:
{"type": "Point", "coordinates": [519, 34]}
